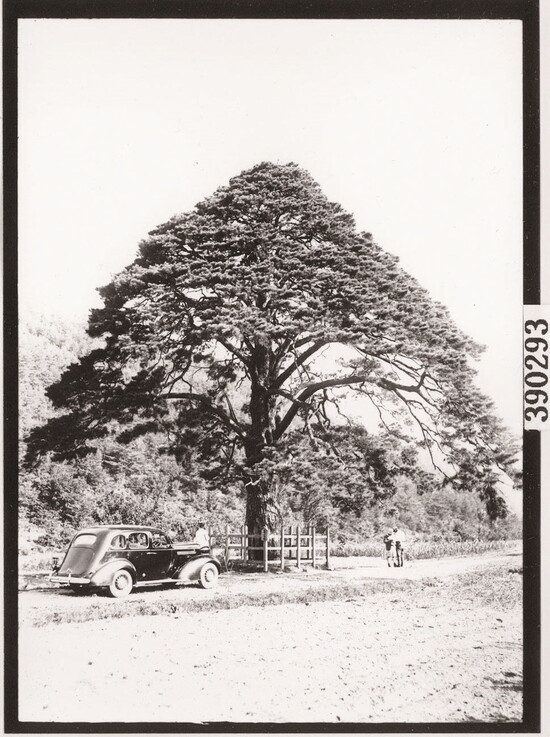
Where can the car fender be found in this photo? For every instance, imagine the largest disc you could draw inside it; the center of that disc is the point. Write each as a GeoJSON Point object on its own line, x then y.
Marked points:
{"type": "Point", "coordinates": [190, 570]}
{"type": "Point", "coordinates": [103, 576]}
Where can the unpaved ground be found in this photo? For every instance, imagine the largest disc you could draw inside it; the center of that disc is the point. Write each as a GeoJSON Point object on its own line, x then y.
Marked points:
{"type": "Point", "coordinates": [35, 603]}
{"type": "Point", "coordinates": [371, 659]}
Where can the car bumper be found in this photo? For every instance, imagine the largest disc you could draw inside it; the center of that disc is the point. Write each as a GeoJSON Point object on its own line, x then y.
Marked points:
{"type": "Point", "coordinates": [68, 579]}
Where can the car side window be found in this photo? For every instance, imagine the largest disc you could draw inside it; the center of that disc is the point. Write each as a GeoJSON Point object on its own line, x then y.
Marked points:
{"type": "Point", "coordinates": [118, 542]}
{"type": "Point", "coordinates": [138, 541]}
{"type": "Point", "coordinates": [159, 540]}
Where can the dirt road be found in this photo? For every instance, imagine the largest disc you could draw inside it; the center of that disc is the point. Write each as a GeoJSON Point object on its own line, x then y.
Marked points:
{"type": "Point", "coordinates": [375, 659]}
{"type": "Point", "coordinates": [39, 601]}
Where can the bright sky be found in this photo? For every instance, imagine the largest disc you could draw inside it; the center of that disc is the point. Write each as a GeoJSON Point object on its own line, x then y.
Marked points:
{"type": "Point", "coordinates": [413, 126]}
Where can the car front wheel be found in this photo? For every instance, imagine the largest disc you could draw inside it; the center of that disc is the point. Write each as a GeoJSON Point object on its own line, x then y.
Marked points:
{"type": "Point", "coordinates": [121, 584]}
{"type": "Point", "coordinates": [208, 576]}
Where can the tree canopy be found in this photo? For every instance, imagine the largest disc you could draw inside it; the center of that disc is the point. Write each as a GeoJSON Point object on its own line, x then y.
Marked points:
{"type": "Point", "coordinates": [223, 334]}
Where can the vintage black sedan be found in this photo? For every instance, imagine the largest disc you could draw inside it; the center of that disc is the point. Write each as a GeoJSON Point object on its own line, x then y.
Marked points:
{"type": "Point", "coordinates": [118, 558]}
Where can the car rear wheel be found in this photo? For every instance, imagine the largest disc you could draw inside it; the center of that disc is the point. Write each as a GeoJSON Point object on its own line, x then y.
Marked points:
{"type": "Point", "coordinates": [208, 576]}
{"type": "Point", "coordinates": [121, 584]}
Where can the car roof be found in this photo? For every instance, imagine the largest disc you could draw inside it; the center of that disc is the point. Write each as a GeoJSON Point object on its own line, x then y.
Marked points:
{"type": "Point", "coordinates": [106, 528]}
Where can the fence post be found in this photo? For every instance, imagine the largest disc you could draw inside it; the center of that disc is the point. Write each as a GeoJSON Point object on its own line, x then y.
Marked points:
{"type": "Point", "coordinates": [245, 542]}
{"type": "Point", "coordinates": [265, 533]}
{"type": "Point", "coordinates": [313, 551]}
{"type": "Point", "coordinates": [328, 548]}
{"type": "Point", "coordinates": [241, 540]}
{"type": "Point", "coordinates": [298, 547]}
{"type": "Point", "coordinates": [227, 550]}
{"type": "Point", "coordinates": [282, 547]}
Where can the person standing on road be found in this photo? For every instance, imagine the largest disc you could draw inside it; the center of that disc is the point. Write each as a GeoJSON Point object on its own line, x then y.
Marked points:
{"type": "Point", "coordinates": [397, 536]}
{"type": "Point", "coordinates": [389, 542]}
{"type": "Point", "coordinates": [201, 538]}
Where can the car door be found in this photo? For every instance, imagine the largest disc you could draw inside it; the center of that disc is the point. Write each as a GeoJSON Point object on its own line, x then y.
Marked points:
{"type": "Point", "coordinates": [138, 548]}
{"type": "Point", "coordinates": [159, 557]}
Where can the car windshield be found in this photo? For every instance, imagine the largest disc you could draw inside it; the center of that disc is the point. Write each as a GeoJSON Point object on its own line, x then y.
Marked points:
{"type": "Point", "coordinates": [159, 540]}
{"type": "Point", "coordinates": [84, 541]}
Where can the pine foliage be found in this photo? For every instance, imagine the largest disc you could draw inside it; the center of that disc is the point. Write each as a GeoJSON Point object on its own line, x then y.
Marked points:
{"type": "Point", "coordinates": [214, 337]}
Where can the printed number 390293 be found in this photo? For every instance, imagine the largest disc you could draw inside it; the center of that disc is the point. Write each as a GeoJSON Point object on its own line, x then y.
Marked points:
{"type": "Point", "coordinates": [535, 379]}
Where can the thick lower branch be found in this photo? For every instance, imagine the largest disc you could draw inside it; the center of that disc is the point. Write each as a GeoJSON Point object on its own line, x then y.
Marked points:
{"type": "Point", "coordinates": [341, 381]}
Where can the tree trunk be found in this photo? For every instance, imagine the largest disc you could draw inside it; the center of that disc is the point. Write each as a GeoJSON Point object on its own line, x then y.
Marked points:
{"type": "Point", "coordinates": [259, 508]}
{"type": "Point", "coordinates": [259, 505]}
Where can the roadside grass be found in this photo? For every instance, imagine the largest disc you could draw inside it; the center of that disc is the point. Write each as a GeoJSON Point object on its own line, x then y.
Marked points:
{"type": "Point", "coordinates": [420, 550]}
{"type": "Point", "coordinates": [500, 588]}
{"type": "Point", "coordinates": [504, 590]}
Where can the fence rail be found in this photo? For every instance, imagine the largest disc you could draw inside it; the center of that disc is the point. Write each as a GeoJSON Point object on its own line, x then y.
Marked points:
{"type": "Point", "coordinates": [301, 546]}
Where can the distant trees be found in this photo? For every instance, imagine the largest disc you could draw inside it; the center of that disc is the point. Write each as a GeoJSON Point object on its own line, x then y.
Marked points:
{"type": "Point", "coordinates": [238, 330]}
{"type": "Point", "coordinates": [119, 483]}
{"type": "Point", "coordinates": [128, 485]}
{"type": "Point", "coordinates": [47, 345]}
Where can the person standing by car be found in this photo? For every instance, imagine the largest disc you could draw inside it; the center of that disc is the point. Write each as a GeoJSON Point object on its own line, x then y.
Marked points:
{"type": "Point", "coordinates": [201, 538]}
{"type": "Point", "coordinates": [398, 540]}
{"type": "Point", "coordinates": [389, 542]}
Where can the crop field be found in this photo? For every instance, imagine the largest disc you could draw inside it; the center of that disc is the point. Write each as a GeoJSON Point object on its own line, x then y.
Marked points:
{"type": "Point", "coordinates": [421, 550]}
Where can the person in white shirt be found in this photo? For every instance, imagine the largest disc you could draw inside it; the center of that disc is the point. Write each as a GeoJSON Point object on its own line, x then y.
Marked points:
{"type": "Point", "coordinates": [201, 537]}
{"type": "Point", "coordinates": [389, 543]}
{"type": "Point", "coordinates": [398, 540]}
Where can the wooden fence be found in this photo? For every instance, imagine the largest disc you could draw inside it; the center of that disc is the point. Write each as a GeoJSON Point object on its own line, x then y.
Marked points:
{"type": "Point", "coordinates": [288, 545]}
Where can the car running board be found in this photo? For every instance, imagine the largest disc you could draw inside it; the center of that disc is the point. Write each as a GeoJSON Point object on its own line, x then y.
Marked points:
{"type": "Point", "coordinates": [159, 581]}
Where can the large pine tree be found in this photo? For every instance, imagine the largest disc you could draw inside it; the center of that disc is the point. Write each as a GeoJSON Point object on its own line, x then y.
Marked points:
{"type": "Point", "coordinates": [215, 334]}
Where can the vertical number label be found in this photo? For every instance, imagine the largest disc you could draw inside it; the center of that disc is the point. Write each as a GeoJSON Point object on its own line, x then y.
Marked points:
{"type": "Point", "coordinates": [536, 337]}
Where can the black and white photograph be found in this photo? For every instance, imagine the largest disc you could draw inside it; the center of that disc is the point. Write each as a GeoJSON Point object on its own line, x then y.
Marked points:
{"type": "Point", "coordinates": [273, 373]}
